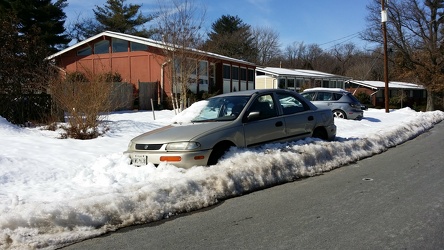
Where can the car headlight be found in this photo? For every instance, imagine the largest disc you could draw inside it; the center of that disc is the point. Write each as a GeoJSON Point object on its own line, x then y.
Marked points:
{"type": "Point", "coordinates": [130, 145]}
{"type": "Point", "coordinates": [186, 145]}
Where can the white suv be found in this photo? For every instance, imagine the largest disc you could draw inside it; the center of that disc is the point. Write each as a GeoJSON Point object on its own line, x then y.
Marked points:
{"type": "Point", "coordinates": [341, 102]}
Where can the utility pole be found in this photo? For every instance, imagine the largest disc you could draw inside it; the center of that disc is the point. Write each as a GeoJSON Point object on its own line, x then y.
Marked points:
{"type": "Point", "coordinates": [384, 33]}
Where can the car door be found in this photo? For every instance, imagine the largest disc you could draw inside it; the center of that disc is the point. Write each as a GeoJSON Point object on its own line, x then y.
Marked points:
{"type": "Point", "coordinates": [323, 100]}
{"type": "Point", "coordinates": [262, 123]}
{"type": "Point", "coordinates": [299, 119]}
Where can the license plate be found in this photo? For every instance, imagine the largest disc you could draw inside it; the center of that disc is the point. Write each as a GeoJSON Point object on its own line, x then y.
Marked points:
{"type": "Point", "coordinates": [139, 160]}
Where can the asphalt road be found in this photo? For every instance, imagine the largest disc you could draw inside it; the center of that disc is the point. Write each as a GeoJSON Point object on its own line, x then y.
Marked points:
{"type": "Point", "coordinates": [394, 200]}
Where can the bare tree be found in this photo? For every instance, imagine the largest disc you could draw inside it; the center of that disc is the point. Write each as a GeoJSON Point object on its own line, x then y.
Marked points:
{"type": "Point", "coordinates": [313, 58]}
{"type": "Point", "coordinates": [179, 25]}
{"type": "Point", "coordinates": [414, 31]}
{"type": "Point", "coordinates": [85, 98]}
{"type": "Point", "coordinates": [266, 41]}
{"type": "Point", "coordinates": [366, 65]}
{"type": "Point", "coordinates": [293, 54]}
{"type": "Point", "coordinates": [343, 54]}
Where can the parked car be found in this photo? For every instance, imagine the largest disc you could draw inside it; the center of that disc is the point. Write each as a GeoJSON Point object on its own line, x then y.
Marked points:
{"type": "Point", "coordinates": [238, 119]}
{"type": "Point", "coordinates": [342, 103]}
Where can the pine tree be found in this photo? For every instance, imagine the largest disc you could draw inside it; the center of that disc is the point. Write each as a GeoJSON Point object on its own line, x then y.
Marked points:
{"type": "Point", "coordinates": [230, 36]}
{"type": "Point", "coordinates": [29, 32]}
{"type": "Point", "coordinates": [116, 16]}
{"type": "Point", "coordinates": [41, 18]}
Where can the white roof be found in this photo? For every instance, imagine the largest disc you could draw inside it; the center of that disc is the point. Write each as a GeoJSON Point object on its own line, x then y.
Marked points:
{"type": "Point", "coordinates": [298, 73]}
{"type": "Point", "coordinates": [146, 41]}
{"type": "Point", "coordinates": [392, 84]}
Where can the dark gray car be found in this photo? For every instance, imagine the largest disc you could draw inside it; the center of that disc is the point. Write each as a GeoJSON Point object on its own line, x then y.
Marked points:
{"type": "Point", "coordinates": [342, 103]}
{"type": "Point", "coordinates": [238, 119]}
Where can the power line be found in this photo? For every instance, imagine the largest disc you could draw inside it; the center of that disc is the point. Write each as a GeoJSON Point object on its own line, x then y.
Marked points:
{"type": "Point", "coordinates": [352, 36]}
{"type": "Point", "coordinates": [348, 38]}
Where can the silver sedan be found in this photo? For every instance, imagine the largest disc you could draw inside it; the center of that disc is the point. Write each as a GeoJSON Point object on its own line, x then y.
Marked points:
{"type": "Point", "coordinates": [239, 119]}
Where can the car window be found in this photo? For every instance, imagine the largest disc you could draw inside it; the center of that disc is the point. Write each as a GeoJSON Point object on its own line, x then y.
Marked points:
{"type": "Point", "coordinates": [265, 106]}
{"type": "Point", "coordinates": [290, 104]}
{"type": "Point", "coordinates": [309, 96]}
{"type": "Point", "coordinates": [324, 96]}
{"type": "Point", "coordinates": [336, 96]}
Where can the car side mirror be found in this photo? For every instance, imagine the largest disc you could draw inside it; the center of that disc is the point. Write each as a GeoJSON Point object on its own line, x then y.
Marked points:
{"type": "Point", "coordinates": [253, 116]}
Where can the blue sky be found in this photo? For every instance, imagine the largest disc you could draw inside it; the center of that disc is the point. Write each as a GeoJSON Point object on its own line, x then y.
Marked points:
{"type": "Point", "coordinates": [324, 22]}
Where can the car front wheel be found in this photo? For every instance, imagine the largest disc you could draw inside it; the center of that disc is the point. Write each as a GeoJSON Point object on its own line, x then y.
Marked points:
{"type": "Point", "coordinates": [218, 151]}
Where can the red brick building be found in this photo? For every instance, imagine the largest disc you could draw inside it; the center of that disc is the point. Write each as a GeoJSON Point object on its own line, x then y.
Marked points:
{"type": "Point", "coordinates": [139, 59]}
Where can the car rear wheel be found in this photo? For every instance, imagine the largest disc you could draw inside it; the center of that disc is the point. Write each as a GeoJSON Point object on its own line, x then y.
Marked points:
{"type": "Point", "coordinates": [339, 114]}
{"type": "Point", "coordinates": [218, 151]}
{"type": "Point", "coordinates": [320, 133]}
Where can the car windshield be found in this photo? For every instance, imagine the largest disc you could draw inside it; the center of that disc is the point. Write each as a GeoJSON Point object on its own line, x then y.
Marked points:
{"type": "Point", "coordinates": [222, 109]}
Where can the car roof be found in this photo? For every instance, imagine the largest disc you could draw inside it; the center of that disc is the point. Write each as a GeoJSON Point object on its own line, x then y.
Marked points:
{"type": "Point", "coordinates": [336, 90]}
{"type": "Point", "coordinates": [255, 91]}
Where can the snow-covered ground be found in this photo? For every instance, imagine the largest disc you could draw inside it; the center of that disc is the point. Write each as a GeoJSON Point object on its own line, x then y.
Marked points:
{"type": "Point", "coordinates": [54, 192]}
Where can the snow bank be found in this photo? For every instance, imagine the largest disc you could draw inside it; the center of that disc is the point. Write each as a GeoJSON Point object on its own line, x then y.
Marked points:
{"type": "Point", "coordinates": [56, 192]}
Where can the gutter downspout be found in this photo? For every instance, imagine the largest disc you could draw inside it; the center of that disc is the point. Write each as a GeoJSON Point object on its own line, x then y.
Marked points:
{"type": "Point", "coordinates": [162, 82]}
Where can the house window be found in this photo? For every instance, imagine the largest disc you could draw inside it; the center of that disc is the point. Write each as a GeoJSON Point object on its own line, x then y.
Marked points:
{"type": "Point", "coordinates": [282, 83]}
{"type": "Point", "coordinates": [299, 83]}
{"type": "Point", "coordinates": [138, 47]}
{"type": "Point", "coordinates": [235, 72]}
{"type": "Point", "coordinates": [203, 68]}
{"type": "Point", "coordinates": [84, 52]}
{"type": "Point", "coordinates": [340, 84]}
{"type": "Point", "coordinates": [290, 83]}
{"type": "Point", "coordinates": [119, 45]}
{"type": "Point", "coordinates": [101, 47]}
{"type": "Point", "coordinates": [227, 71]}
{"type": "Point", "coordinates": [243, 74]}
{"type": "Point", "coordinates": [192, 66]}
{"type": "Point", "coordinates": [251, 75]}
{"type": "Point", "coordinates": [212, 73]}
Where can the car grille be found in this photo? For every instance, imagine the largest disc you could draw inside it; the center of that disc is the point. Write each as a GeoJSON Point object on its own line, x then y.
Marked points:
{"type": "Point", "coordinates": [148, 146]}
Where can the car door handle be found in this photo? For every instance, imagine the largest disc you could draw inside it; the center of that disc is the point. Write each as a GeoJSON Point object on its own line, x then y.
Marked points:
{"type": "Point", "coordinates": [279, 124]}
{"type": "Point", "coordinates": [310, 118]}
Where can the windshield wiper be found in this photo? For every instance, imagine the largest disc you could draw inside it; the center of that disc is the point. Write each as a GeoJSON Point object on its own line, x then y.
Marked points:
{"type": "Point", "coordinates": [226, 118]}
{"type": "Point", "coordinates": [219, 119]}
{"type": "Point", "coordinates": [203, 120]}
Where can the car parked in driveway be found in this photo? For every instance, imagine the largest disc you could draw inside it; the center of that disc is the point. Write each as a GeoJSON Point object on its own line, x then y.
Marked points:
{"type": "Point", "coordinates": [238, 119]}
{"type": "Point", "coordinates": [342, 103]}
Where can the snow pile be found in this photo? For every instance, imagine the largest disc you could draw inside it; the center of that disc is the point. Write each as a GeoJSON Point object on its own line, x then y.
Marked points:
{"type": "Point", "coordinates": [55, 192]}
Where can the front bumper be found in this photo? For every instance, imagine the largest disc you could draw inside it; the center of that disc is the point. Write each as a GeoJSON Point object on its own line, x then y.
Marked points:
{"type": "Point", "coordinates": [188, 159]}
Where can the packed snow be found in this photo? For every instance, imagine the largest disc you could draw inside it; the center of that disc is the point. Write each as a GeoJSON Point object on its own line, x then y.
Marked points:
{"type": "Point", "coordinates": [55, 192]}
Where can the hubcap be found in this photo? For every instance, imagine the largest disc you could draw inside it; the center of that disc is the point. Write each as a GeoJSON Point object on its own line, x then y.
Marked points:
{"type": "Point", "coordinates": [339, 114]}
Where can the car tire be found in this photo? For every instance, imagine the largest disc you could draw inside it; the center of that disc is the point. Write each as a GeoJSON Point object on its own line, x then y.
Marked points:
{"type": "Point", "coordinates": [339, 114]}
{"type": "Point", "coordinates": [320, 133]}
{"type": "Point", "coordinates": [218, 151]}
